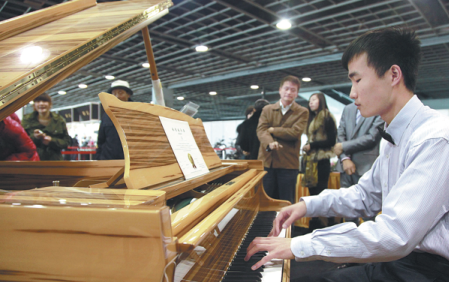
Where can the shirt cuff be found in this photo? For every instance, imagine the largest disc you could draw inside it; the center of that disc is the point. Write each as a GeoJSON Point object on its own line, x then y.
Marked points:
{"type": "Point", "coordinates": [345, 158]}
{"type": "Point", "coordinates": [301, 247]}
{"type": "Point", "coordinates": [311, 207]}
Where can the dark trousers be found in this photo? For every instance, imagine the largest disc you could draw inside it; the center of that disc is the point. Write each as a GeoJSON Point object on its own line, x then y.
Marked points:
{"type": "Point", "coordinates": [324, 170]}
{"type": "Point", "coordinates": [280, 183]}
{"type": "Point", "coordinates": [349, 180]}
{"type": "Point", "coordinates": [416, 267]}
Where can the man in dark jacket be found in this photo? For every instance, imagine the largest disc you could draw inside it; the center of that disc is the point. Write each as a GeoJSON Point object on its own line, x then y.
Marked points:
{"type": "Point", "coordinates": [249, 142]}
{"type": "Point", "coordinates": [109, 145]}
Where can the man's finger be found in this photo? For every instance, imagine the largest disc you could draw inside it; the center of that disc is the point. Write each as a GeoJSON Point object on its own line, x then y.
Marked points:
{"type": "Point", "coordinates": [288, 222]}
{"type": "Point", "coordinates": [253, 248]}
{"type": "Point", "coordinates": [261, 262]}
{"type": "Point", "coordinates": [275, 230]}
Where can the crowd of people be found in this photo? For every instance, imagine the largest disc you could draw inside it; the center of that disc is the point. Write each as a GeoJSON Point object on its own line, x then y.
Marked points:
{"type": "Point", "coordinates": [402, 188]}
{"type": "Point", "coordinates": [42, 135]}
{"type": "Point", "coordinates": [399, 190]}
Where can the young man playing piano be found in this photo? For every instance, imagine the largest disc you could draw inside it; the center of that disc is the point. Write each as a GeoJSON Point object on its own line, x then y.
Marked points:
{"type": "Point", "coordinates": [408, 183]}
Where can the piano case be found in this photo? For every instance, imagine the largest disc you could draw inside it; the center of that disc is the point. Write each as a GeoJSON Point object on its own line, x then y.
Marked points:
{"type": "Point", "coordinates": [123, 221]}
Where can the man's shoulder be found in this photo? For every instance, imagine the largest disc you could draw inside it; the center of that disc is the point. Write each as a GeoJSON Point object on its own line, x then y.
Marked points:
{"type": "Point", "coordinates": [271, 106]}
{"type": "Point", "coordinates": [298, 108]}
{"type": "Point", "coordinates": [429, 124]}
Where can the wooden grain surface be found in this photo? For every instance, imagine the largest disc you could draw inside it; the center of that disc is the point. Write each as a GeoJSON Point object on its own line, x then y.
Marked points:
{"type": "Point", "coordinates": [74, 197]}
{"type": "Point", "coordinates": [68, 44]}
{"type": "Point", "coordinates": [37, 18]}
{"type": "Point", "coordinates": [149, 159]}
{"type": "Point", "coordinates": [75, 244]}
{"type": "Point", "coordinates": [25, 175]}
{"type": "Point", "coordinates": [188, 215]}
{"type": "Point", "coordinates": [195, 236]}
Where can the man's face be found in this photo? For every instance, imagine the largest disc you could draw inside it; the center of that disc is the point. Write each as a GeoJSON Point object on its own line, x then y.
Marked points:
{"type": "Point", "coordinates": [288, 92]}
{"type": "Point", "coordinates": [372, 94]}
{"type": "Point", "coordinates": [121, 94]}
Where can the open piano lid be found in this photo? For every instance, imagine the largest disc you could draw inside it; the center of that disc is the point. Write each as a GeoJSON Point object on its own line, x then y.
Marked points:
{"type": "Point", "coordinates": [71, 35]}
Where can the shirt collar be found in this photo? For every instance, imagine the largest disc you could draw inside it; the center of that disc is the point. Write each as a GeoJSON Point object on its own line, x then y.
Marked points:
{"type": "Point", "coordinates": [401, 121]}
{"type": "Point", "coordinates": [285, 109]}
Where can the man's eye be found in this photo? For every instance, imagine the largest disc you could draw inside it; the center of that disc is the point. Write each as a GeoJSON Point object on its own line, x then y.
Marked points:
{"type": "Point", "coordinates": [358, 80]}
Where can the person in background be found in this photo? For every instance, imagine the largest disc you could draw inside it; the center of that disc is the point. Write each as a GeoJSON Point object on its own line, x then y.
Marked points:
{"type": "Point", "coordinates": [358, 146]}
{"type": "Point", "coordinates": [15, 144]}
{"type": "Point", "coordinates": [75, 146]}
{"type": "Point", "coordinates": [249, 142]}
{"type": "Point", "coordinates": [108, 142]}
{"type": "Point", "coordinates": [321, 135]}
{"type": "Point", "coordinates": [243, 154]}
{"type": "Point", "coordinates": [75, 142]}
{"type": "Point", "coordinates": [408, 182]}
{"type": "Point", "coordinates": [47, 130]}
{"type": "Point", "coordinates": [279, 131]}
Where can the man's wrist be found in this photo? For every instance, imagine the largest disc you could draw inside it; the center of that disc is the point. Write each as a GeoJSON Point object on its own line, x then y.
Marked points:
{"type": "Point", "coordinates": [345, 158]}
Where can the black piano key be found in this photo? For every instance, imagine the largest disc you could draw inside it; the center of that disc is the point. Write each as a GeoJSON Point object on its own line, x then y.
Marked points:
{"type": "Point", "coordinates": [240, 270]}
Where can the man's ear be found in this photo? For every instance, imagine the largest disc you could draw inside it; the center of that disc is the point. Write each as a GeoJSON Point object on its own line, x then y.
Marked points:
{"type": "Point", "coordinates": [396, 75]}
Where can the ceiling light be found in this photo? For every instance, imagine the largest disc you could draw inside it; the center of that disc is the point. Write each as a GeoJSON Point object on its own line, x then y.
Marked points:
{"type": "Point", "coordinates": [213, 93]}
{"type": "Point", "coordinates": [146, 65]}
{"type": "Point", "coordinates": [62, 92]}
{"type": "Point", "coordinates": [180, 98]}
{"type": "Point", "coordinates": [82, 85]}
{"type": "Point", "coordinates": [254, 86]}
{"type": "Point", "coordinates": [109, 77]}
{"type": "Point", "coordinates": [284, 24]}
{"type": "Point", "coordinates": [201, 48]}
{"type": "Point", "coordinates": [306, 79]}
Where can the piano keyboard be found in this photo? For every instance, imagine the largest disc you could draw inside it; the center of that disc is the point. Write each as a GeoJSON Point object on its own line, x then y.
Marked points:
{"type": "Point", "coordinates": [240, 270]}
{"type": "Point", "coordinates": [219, 262]}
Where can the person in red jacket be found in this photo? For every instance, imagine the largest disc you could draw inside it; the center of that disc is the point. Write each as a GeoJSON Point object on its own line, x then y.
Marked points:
{"type": "Point", "coordinates": [15, 144]}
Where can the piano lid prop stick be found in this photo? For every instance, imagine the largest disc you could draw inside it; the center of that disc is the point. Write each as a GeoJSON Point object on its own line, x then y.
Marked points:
{"type": "Point", "coordinates": [158, 95]}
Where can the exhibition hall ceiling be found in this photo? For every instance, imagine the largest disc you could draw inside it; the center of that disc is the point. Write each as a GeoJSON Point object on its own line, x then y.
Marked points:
{"type": "Point", "coordinates": [246, 48]}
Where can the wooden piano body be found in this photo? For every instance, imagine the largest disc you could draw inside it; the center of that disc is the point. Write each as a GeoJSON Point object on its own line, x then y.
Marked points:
{"type": "Point", "coordinates": [104, 233]}
{"type": "Point", "coordinates": [124, 222]}
{"type": "Point", "coordinates": [71, 35]}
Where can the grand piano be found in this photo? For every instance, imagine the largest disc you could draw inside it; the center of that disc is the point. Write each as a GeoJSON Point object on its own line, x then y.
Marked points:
{"type": "Point", "coordinates": [139, 219]}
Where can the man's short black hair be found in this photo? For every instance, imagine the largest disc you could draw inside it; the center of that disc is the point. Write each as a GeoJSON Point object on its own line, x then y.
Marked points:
{"type": "Point", "coordinates": [387, 47]}
{"type": "Point", "coordinates": [292, 79]}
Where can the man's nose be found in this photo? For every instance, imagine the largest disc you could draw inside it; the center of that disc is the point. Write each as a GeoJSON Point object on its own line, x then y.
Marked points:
{"type": "Point", "coordinates": [353, 93]}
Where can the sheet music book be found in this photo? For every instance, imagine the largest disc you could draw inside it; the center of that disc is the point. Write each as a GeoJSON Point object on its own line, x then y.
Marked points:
{"type": "Point", "coordinates": [184, 147]}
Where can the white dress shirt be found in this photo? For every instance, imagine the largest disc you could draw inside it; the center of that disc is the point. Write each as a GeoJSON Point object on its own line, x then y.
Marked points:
{"type": "Point", "coordinates": [285, 109]}
{"type": "Point", "coordinates": [409, 183]}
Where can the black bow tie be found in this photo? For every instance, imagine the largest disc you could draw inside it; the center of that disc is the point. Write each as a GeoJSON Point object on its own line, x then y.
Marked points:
{"type": "Point", "coordinates": [384, 134]}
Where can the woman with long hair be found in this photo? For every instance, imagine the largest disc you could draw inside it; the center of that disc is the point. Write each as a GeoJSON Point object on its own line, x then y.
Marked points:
{"type": "Point", "coordinates": [321, 136]}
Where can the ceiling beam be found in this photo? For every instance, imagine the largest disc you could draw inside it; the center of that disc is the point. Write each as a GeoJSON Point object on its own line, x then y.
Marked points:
{"type": "Point", "coordinates": [266, 16]}
{"type": "Point", "coordinates": [298, 63]}
{"type": "Point", "coordinates": [282, 66]}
